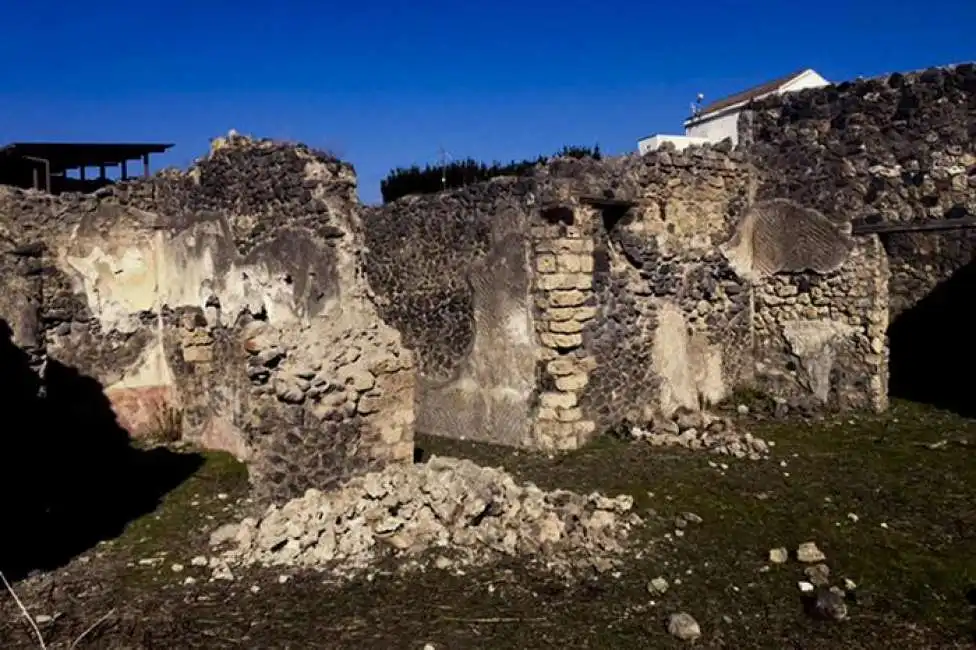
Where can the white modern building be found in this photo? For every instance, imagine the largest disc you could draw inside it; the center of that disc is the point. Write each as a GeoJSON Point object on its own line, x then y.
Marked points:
{"type": "Point", "coordinates": [719, 120]}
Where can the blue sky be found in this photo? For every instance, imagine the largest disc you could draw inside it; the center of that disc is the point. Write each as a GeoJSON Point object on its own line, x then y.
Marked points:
{"type": "Point", "coordinates": [387, 83]}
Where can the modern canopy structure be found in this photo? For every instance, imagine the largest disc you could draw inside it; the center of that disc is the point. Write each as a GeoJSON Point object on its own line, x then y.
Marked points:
{"type": "Point", "coordinates": [43, 165]}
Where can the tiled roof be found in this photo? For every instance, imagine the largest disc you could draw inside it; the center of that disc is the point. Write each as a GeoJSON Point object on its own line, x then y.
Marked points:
{"type": "Point", "coordinates": [750, 94]}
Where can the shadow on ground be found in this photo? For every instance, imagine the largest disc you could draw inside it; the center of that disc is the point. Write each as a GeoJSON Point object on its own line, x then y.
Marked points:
{"type": "Point", "coordinates": [70, 476]}
{"type": "Point", "coordinates": [932, 348]}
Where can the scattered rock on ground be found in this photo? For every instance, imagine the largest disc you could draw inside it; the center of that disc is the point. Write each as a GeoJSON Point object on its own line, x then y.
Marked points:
{"type": "Point", "coordinates": [808, 553]}
{"type": "Point", "coordinates": [686, 518]}
{"type": "Point", "coordinates": [702, 430]}
{"type": "Point", "coordinates": [466, 511]}
{"type": "Point", "coordinates": [683, 626]}
{"type": "Point", "coordinates": [657, 586]}
{"type": "Point", "coordinates": [223, 534]}
{"type": "Point", "coordinates": [830, 604]}
{"type": "Point", "coordinates": [818, 574]}
{"type": "Point", "coordinates": [778, 555]}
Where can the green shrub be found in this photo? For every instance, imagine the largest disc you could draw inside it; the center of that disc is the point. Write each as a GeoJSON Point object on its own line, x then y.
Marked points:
{"type": "Point", "coordinates": [431, 179]}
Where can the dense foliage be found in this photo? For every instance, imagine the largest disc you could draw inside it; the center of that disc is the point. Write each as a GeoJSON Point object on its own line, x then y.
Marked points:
{"type": "Point", "coordinates": [434, 178]}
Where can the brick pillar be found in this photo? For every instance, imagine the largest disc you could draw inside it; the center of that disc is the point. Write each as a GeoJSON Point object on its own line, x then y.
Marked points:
{"type": "Point", "coordinates": [562, 286]}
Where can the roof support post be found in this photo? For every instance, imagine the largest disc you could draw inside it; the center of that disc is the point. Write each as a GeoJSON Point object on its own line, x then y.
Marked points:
{"type": "Point", "coordinates": [145, 165]}
{"type": "Point", "coordinates": [47, 173]}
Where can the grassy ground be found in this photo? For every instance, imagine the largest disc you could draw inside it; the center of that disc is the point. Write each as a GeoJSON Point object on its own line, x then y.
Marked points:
{"type": "Point", "coordinates": [908, 478]}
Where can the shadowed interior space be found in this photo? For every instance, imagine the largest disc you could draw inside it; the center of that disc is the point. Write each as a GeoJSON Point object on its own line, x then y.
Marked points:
{"type": "Point", "coordinates": [70, 475]}
{"type": "Point", "coordinates": [932, 348]}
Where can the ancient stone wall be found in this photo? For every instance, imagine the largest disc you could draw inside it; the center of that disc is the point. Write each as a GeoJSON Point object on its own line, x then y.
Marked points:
{"type": "Point", "coordinates": [820, 337]}
{"type": "Point", "coordinates": [450, 272]}
{"type": "Point", "coordinates": [597, 287]}
{"type": "Point", "coordinates": [21, 298]}
{"type": "Point", "coordinates": [660, 284]}
{"type": "Point", "coordinates": [228, 303]}
{"type": "Point", "coordinates": [895, 149]}
{"type": "Point", "coordinates": [819, 303]}
{"type": "Point", "coordinates": [255, 297]}
{"type": "Point", "coordinates": [644, 314]}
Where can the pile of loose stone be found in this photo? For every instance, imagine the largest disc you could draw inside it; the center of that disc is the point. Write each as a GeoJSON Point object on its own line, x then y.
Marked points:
{"type": "Point", "coordinates": [467, 513]}
{"type": "Point", "coordinates": [703, 430]}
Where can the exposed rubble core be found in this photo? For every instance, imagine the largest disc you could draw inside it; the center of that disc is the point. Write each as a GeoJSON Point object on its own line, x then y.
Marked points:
{"type": "Point", "coordinates": [465, 512]}
{"type": "Point", "coordinates": [228, 303]}
{"type": "Point", "coordinates": [892, 149]}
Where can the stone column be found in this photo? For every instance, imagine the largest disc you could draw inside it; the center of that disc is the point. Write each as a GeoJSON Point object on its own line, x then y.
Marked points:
{"type": "Point", "coordinates": [562, 287]}
{"type": "Point", "coordinates": [876, 322]}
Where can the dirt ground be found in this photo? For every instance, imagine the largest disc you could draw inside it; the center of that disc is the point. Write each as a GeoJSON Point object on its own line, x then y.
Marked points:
{"type": "Point", "coordinates": [891, 501]}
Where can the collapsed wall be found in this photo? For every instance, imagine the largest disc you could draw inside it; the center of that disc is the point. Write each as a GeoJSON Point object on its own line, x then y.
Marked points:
{"type": "Point", "coordinates": [228, 303]}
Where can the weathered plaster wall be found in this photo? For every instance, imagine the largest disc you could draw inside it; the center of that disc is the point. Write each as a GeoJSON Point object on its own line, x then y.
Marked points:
{"type": "Point", "coordinates": [820, 337]}
{"type": "Point", "coordinates": [234, 296]}
{"type": "Point", "coordinates": [597, 287]}
{"type": "Point", "coordinates": [820, 306]}
{"type": "Point", "coordinates": [450, 272]}
{"type": "Point", "coordinates": [541, 315]}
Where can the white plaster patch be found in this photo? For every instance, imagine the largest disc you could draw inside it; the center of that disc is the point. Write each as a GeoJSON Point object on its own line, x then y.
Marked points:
{"type": "Point", "coordinates": [518, 327]}
{"type": "Point", "coordinates": [116, 287]}
{"type": "Point", "coordinates": [153, 273]}
{"type": "Point", "coordinates": [689, 369]}
{"type": "Point", "coordinates": [814, 344]}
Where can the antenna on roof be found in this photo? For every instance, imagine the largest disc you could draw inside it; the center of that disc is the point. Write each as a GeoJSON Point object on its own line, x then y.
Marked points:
{"type": "Point", "coordinates": [444, 157]}
{"type": "Point", "coordinates": [696, 106]}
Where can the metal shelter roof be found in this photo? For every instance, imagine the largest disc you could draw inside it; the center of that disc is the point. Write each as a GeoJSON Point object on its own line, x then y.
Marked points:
{"type": "Point", "coordinates": [68, 155]}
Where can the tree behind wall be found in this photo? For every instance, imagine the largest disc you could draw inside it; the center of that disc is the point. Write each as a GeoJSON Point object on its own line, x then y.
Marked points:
{"type": "Point", "coordinates": [430, 179]}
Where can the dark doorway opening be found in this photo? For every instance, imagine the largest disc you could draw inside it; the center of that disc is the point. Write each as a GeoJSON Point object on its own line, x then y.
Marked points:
{"type": "Point", "coordinates": [933, 346]}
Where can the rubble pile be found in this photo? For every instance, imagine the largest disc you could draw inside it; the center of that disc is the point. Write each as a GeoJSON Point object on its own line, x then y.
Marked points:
{"type": "Point", "coordinates": [702, 430]}
{"type": "Point", "coordinates": [466, 512]}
